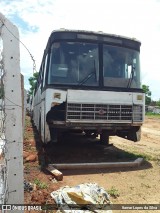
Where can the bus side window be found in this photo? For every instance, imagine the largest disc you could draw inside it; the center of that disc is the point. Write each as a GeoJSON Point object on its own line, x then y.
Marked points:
{"type": "Point", "coordinates": [44, 71]}
{"type": "Point", "coordinates": [58, 56]}
{"type": "Point", "coordinates": [59, 65]}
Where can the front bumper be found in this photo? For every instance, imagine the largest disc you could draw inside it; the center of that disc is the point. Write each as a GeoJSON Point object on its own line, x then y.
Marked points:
{"type": "Point", "coordinates": [92, 125]}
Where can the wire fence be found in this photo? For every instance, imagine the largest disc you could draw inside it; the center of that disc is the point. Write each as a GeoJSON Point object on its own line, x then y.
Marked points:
{"type": "Point", "coordinates": [11, 116]}
{"type": "Point", "coordinates": [3, 150]}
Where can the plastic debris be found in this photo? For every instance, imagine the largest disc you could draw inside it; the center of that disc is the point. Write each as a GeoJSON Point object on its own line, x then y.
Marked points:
{"type": "Point", "coordinates": [27, 186]}
{"type": "Point", "coordinates": [87, 197]}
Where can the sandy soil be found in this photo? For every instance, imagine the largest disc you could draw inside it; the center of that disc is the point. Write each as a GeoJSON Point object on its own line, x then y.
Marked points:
{"type": "Point", "coordinates": [140, 185]}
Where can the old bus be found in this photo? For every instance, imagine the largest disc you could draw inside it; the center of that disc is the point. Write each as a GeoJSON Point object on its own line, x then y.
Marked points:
{"type": "Point", "coordinates": [89, 82]}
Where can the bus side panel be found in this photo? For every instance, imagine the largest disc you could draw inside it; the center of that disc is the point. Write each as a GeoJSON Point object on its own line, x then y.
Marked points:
{"type": "Point", "coordinates": [42, 117]}
{"type": "Point", "coordinates": [44, 129]}
{"type": "Point", "coordinates": [36, 108]}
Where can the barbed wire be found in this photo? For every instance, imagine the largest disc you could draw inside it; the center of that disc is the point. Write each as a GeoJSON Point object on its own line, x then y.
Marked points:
{"type": "Point", "coordinates": [5, 156]}
{"type": "Point", "coordinates": [3, 148]}
{"type": "Point", "coordinates": [6, 104]}
{"type": "Point", "coordinates": [32, 57]}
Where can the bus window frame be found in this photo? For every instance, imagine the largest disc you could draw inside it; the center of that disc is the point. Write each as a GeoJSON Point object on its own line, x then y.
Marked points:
{"type": "Point", "coordinates": [100, 42]}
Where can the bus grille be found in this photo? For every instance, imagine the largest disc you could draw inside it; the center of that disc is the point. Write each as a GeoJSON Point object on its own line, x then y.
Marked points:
{"type": "Point", "coordinates": [104, 112]}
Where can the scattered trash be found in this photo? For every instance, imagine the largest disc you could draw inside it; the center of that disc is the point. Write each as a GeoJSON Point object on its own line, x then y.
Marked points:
{"type": "Point", "coordinates": [50, 178]}
{"type": "Point", "coordinates": [87, 197]}
{"type": "Point", "coordinates": [27, 186]}
{"type": "Point", "coordinates": [54, 180]}
{"type": "Point", "coordinates": [34, 187]}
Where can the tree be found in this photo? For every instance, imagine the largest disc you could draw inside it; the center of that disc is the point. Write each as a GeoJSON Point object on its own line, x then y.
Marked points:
{"type": "Point", "coordinates": [32, 82]}
{"type": "Point", "coordinates": [147, 94]}
{"type": "Point", "coordinates": [158, 103]}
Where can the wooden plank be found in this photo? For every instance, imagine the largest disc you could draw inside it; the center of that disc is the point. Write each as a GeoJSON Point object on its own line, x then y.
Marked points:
{"type": "Point", "coordinates": [55, 172]}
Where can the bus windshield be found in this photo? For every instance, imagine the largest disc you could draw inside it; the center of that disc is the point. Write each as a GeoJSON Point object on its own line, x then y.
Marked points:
{"type": "Point", "coordinates": [121, 67]}
{"type": "Point", "coordinates": [74, 63]}
{"type": "Point", "coordinates": [77, 63]}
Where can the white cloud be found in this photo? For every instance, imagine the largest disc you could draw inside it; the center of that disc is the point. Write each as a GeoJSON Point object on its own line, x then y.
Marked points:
{"type": "Point", "coordinates": [135, 18]}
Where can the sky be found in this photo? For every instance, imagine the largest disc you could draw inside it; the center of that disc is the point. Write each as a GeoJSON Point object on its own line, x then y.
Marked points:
{"type": "Point", "coordinates": [139, 19]}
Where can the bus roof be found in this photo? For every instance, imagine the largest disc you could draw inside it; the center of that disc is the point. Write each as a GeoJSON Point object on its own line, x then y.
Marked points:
{"type": "Point", "coordinates": [79, 35]}
{"type": "Point", "coordinates": [101, 33]}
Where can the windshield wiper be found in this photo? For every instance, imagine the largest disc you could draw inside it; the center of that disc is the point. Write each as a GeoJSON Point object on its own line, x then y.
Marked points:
{"type": "Point", "coordinates": [131, 76]}
{"type": "Point", "coordinates": [88, 76]}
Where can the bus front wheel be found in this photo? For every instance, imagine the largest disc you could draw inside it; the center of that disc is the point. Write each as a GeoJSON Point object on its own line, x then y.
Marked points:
{"type": "Point", "coordinates": [104, 138]}
{"type": "Point", "coordinates": [56, 135]}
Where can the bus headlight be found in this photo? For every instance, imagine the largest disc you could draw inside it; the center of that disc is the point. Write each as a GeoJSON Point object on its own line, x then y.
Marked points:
{"type": "Point", "coordinates": [57, 95]}
{"type": "Point", "coordinates": [137, 112]}
{"type": "Point", "coordinates": [56, 99]}
{"type": "Point", "coordinates": [139, 97]}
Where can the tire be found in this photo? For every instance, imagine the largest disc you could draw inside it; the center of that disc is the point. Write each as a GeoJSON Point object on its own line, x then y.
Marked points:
{"type": "Point", "coordinates": [134, 134]}
{"type": "Point", "coordinates": [104, 138]}
{"type": "Point", "coordinates": [54, 135]}
{"type": "Point", "coordinates": [39, 130]}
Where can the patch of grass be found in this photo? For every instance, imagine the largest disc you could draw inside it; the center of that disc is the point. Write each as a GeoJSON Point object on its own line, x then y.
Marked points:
{"type": "Point", "coordinates": [150, 114]}
{"type": "Point", "coordinates": [40, 184]}
{"type": "Point", "coordinates": [113, 192]}
{"type": "Point", "coordinates": [145, 185]}
{"type": "Point", "coordinates": [146, 157]}
{"type": "Point", "coordinates": [27, 166]}
{"type": "Point", "coordinates": [131, 187]}
{"type": "Point", "coordinates": [141, 155]}
{"type": "Point", "coordinates": [134, 154]}
{"type": "Point", "coordinates": [142, 176]}
{"type": "Point", "coordinates": [33, 149]}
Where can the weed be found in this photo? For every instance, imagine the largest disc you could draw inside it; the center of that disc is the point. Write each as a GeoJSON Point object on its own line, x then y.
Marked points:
{"type": "Point", "coordinates": [146, 157]}
{"type": "Point", "coordinates": [142, 176]}
{"type": "Point", "coordinates": [27, 166]}
{"type": "Point", "coordinates": [152, 115]}
{"type": "Point", "coordinates": [145, 185]}
{"type": "Point", "coordinates": [133, 154]}
{"type": "Point", "coordinates": [40, 184]}
{"type": "Point", "coordinates": [113, 192]}
{"type": "Point", "coordinates": [131, 187]}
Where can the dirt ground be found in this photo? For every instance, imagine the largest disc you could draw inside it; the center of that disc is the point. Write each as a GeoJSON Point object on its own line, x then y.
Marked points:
{"type": "Point", "coordinates": [140, 185]}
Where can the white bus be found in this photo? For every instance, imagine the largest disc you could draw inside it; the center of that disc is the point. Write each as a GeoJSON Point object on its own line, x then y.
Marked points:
{"type": "Point", "coordinates": [89, 82]}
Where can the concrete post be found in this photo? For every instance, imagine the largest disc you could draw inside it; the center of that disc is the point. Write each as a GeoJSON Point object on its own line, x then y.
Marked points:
{"type": "Point", "coordinates": [13, 111]}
